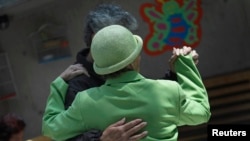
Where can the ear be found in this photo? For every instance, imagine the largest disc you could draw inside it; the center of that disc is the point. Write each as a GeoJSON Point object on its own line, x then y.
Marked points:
{"type": "Point", "coordinates": [136, 64]}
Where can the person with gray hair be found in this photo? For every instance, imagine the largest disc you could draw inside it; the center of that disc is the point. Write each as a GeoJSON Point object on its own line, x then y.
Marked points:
{"type": "Point", "coordinates": [164, 104]}
{"type": "Point", "coordinates": [101, 16]}
{"type": "Point", "coordinates": [104, 15]}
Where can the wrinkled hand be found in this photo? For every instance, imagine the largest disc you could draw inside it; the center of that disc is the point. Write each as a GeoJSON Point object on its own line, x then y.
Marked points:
{"type": "Point", "coordinates": [72, 71]}
{"type": "Point", "coordinates": [121, 131]}
{"type": "Point", "coordinates": [182, 51]}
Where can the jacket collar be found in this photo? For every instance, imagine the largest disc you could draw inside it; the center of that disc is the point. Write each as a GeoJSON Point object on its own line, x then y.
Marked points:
{"type": "Point", "coordinates": [125, 77]}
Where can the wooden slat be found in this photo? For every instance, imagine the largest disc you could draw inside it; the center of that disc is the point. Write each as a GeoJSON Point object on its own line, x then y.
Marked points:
{"type": "Point", "coordinates": [194, 137]}
{"type": "Point", "coordinates": [226, 90]}
{"type": "Point", "coordinates": [227, 79]}
{"type": "Point", "coordinates": [188, 128]}
{"type": "Point", "coordinates": [192, 132]}
{"type": "Point", "coordinates": [229, 97]}
{"type": "Point", "coordinates": [234, 120]}
{"type": "Point", "coordinates": [231, 109]}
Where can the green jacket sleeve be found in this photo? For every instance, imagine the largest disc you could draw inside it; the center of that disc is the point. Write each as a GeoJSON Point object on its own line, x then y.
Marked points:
{"type": "Point", "coordinates": [57, 121]}
{"type": "Point", "coordinates": [194, 104]}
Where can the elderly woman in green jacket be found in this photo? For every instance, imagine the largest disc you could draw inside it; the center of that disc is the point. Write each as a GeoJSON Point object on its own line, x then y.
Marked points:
{"type": "Point", "coordinates": [163, 104]}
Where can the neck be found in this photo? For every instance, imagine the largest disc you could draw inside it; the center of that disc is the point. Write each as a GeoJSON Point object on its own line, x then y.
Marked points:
{"type": "Point", "coordinates": [89, 57]}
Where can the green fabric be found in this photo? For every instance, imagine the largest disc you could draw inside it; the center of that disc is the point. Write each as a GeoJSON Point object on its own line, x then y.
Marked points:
{"type": "Point", "coordinates": [163, 104]}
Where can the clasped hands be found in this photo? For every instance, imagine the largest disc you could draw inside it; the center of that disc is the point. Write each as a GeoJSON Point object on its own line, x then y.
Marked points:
{"type": "Point", "coordinates": [185, 50]}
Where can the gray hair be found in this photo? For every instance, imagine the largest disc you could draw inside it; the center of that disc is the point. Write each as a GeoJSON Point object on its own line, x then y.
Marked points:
{"type": "Point", "coordinates": [104, 15]}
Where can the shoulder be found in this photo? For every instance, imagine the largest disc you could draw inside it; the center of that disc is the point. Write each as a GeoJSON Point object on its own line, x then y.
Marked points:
{"type": "Point", "coordinates": [80, 83]}
{"type": "Point", "coordinates": [78, 79]}
{"type": "Point", "coordinates": [91, 93]}
{"type": "Point", "coordinates": [162, 82]}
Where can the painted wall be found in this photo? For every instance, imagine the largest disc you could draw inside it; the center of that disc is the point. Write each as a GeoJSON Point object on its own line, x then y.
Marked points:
{"type": "Point", "coordinates": [224, 48]}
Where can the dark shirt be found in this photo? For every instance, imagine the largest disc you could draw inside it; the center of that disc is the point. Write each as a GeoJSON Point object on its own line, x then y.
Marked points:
{"type": "Point", "coordinates": [81, 83]}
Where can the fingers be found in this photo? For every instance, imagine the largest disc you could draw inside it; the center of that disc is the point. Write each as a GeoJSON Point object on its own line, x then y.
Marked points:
{"type": "Point", "coordinates": [195, 56]}
{"type": "Point", "coordinates": [176, 51]}
{"type": "Point", "coordinates": [172, 58]}
{"type": "Point", "coordinates": [133, 130]}
{"type": "Point", "coordinates": [118, 123]}
{"type": "Point", "coordinates": [77, 72]}
{"type": "Point", "coordinates": [186, 50]}
{"type": "Point", "coordinates": [171, 62]}
{"type": "Point", "coordinates": [76, 69]}
{"type": "Point", "coordinates": [124, 131]}
{"type": "Point", "coordinates": [182, 51]}
{"type": "Point", "coordinates": [131, 124]}
{"type": "Point", "coordinates": [79, 69]}
{"type": "Point", "coordinates": [73, 71]}
{"type": "Point", "coordinates": [138, 137]}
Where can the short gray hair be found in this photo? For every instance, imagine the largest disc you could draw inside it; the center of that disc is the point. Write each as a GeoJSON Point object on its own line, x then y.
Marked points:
{"type": "Point", "coordinates": [104, 15]}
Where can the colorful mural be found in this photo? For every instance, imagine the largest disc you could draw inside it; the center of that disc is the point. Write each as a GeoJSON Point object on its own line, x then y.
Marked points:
{"type": "Point", "coordinates": [172, 23]}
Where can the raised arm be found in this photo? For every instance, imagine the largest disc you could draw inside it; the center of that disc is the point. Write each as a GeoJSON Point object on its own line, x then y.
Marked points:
{"type": "Point", "coordinates": [194, 105]}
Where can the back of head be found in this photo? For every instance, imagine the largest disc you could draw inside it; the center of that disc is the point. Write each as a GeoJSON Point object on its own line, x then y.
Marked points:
{"type": "Point", "coordinates": [104, 15]}
{"type": "Point", "coordinates": [113, 48]}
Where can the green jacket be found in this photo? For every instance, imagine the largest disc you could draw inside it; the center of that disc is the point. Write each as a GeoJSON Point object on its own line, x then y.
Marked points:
{"type": "Point", "coordinates": [163, 104]}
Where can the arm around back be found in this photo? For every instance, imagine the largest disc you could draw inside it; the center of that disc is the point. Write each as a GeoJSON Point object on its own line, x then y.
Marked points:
{"type": "Point", "coordinates": [56, 121]}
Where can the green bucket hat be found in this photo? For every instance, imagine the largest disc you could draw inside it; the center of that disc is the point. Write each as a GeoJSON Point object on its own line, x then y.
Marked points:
{"type": "Point", "coordinates": [113, 48]}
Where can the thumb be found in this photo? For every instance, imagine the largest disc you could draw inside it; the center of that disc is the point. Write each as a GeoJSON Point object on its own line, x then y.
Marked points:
{"type": "Point", "coordinates": [172, 61]}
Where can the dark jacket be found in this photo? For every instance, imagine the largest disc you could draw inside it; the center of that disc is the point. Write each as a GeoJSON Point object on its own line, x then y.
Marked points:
{"type": "Point", "coordinates": [83, 82]}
